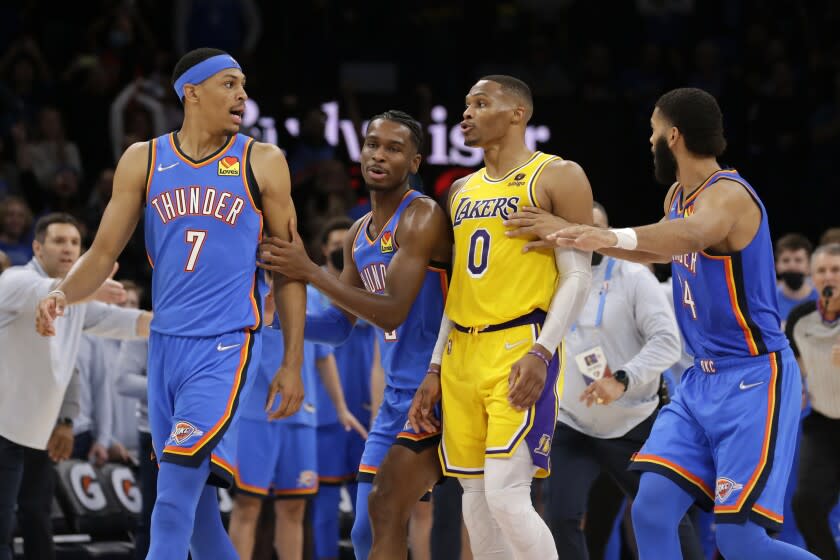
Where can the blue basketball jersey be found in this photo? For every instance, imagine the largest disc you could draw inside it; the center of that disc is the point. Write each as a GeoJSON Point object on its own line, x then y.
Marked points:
{"type": "Point", "coordinates": [407, 350]}
{"type": "Point", "coordinates": [202, 230]}
{"type": "Point", "coordinates": [354, 360]}
{"type": "Point", "coordinates": [253, 406]}
{"type": "Point", "coordinates": [726, 305]}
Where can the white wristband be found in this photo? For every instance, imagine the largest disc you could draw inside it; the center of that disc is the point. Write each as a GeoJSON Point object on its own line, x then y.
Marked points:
{"type": "Point", "coordinates": [626, 238]}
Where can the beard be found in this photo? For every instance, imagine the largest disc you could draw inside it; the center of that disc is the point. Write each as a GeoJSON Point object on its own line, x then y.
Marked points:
{"type": "Point", "coordinates": [664, 163]}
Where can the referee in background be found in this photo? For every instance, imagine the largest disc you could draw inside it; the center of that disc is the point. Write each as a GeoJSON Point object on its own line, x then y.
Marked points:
{"type": "Point", "coordinates": [814, 331]}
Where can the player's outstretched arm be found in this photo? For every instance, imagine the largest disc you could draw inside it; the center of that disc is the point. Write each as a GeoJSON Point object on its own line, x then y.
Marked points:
{"type": "Point", "coordinates": [423, 230]}
{"type": "Point", "coordinates": [115, 229]}
{"type": "Point", "coordinates": [717, 212]}
{"type": "Point", "coordinates": [272, 174]}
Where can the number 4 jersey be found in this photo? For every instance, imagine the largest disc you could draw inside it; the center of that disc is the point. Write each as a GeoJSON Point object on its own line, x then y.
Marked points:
{"type": "Point", "coordinates": [202, 227]}
{"type": "Point", "coordinates": [726, 303]}
{"type": "Point", "coordinates": [492, 280]}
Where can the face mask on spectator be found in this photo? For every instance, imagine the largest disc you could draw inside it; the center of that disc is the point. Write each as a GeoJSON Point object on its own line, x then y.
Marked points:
{"type": "Point", "coordinates": [792, 280]}
{"type": "Point", "coordinates": [337, 258]}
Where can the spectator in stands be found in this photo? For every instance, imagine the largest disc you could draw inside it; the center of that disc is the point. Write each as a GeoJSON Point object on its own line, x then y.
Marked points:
{"type": "Point", "coordinates": [831, 235]}
{"type": "Point", "coordinates": [125, 440]}
{"type": "Point", "coordinates": [53, 151]}
{"type": "Point", "coordinates": [4, 262]}
{"type": "Point", "coordinates": [9, 181]}
{"type": "Point", "coordinates": [15, 230]}
{"type": "Point", "coordinates": [131, 383]}
{"type": "Point", "coordinates": [100, 195]}
{"type": "Point", "coordinates": [136, 112]}
{"type": "Point", "coordinates": [793, 270]}
{"type": "Point", "coordinates": [814, 331]}
{"type": "Point", "coordinates": [231, 25]}
{"type": "Point", "coordinates": [35, 372]}
{"type": "Point", "coordinates": [27, 76]}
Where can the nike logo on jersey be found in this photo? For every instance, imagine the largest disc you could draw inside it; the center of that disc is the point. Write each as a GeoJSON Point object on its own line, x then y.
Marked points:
{"type": "Point", "coordinates": [512, 345]}
{"type": "Point", "coordinates": [221, 348]}
{"type": "Point", "coordinates": [744, 386]}
{"type": "Point", "coordinates": [161, 167]}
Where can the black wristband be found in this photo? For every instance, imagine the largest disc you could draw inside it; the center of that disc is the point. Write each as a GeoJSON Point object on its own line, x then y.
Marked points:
{"type": "Point", "coordinates": [621, 377]}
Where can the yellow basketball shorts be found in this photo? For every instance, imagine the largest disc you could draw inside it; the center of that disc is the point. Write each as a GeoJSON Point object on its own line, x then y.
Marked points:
{"type": "Point", "coordinates": [478, 420]}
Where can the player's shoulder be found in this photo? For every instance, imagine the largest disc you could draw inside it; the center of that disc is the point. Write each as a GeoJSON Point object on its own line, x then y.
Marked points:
{"type": "Point", "coordinates": [139, 153]}
{"type": "Point", "coordinates": [559, 167]}
{"type": "Point", "coordinates": [264, 152]}
{"type": "Point", "coordinates": [424, 210]}
{"type": "Point", "coordinates": [669, 197]}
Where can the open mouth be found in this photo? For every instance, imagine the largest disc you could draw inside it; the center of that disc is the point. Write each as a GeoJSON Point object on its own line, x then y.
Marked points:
{"type": "Point", "coordinates": [466, 127]}
{"type": "Point", "coordinates": [237, 115]}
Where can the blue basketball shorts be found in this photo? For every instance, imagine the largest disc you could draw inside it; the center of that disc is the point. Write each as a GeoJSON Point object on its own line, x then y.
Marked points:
{"type": "Point", "coordinates": [277, 459]}
{"type": "Point", "coordinates": [391, 427]}
{"type": "Point", "coordinates": [195, 387]}
{"type": "Point", "coordinates": [728, 436]}
{"type": "Point", "coordinates": [339, 454]}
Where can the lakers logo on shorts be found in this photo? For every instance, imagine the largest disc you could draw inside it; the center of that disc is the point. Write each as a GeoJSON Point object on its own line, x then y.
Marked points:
{"type": "Point", "coordinates": [725, 487]}
{"type": "Point", "coordinates": [183, 432]}
{"type": "Point", "coordinates": [229, 166]}
{"type": "Point", "coordinates": [544, 447]}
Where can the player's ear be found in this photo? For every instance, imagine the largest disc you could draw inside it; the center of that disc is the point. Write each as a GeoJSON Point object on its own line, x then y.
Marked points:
{"type": "Point", "coordinates": [190, 93]}
{"type": "Point", "coordinates": [519, 115]}
{"type": "Point", "coordinates": [673, 136]}
{"type": "Point", "coordinates": [415, 162]}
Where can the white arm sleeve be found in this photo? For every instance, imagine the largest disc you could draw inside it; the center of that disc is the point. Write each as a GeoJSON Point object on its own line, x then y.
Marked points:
{"type": "Point", "coordinates": [443, 336]}
{"type": "Point", "coordinates": [575, 274]}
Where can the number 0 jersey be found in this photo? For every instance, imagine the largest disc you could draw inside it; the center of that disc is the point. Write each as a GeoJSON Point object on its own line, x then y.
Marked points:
{"type": "Point", "coordinates": [202, 230]}
{"type": "Point", "coordinates": [726, 304]}
{"type": "Point", "coordinates": [492, 280]}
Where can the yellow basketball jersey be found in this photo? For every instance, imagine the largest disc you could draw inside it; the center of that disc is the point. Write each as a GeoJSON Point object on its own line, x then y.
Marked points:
{"type": "Point", "coordinates": [492, 280]}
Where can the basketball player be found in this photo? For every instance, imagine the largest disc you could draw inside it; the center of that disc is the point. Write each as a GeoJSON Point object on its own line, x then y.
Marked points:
{"type": "Point", "coordinates": [278, 460]}
{"type": "Point", "coordinates": [497, 359]}
{"type": "Point", "coordinates": [394, 277]}
{"type": "Point", "coordinates": [727, 438]}
{"type": "Point", "coordinates": [206, 190]}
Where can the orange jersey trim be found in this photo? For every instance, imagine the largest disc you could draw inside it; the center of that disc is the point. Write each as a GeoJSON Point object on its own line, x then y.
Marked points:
{"type": "Point", "coordinates": [368, 469]}
{"type": "Point", "coordinates": [765, 447]}
{"type": "Point", "coordinates": [334, 479]}
{"type": "Point", "coordinates": [768, 514]}
{"type": "Point", "coordinates": [151, 170]}
{"type": "Point", "coordinates": [661, 461]}
{"type": "Point", "coordinates": [296, 491]}
{"type": "Point", "coordinates": [237, 386]}
{"type": "Point", "coordinates": [388, 223]}
{"type": "Point", "coordinates": [244, 172]}
{"type": "Point", "coordinates": [733, 300]}
{"type": "Point", "coordinates": [219, 462]}
{"type": "Point", "coordinates": [220, 153]}
{"type": "Point", "coordinates": [444, 277]}
{"type": "Point", "coordinates": [416, 437]}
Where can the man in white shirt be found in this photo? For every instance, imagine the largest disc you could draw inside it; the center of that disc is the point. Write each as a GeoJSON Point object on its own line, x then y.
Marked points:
{"type": "Point", "coordinates": [35, 372]}
{"type": "Point", "coordinates": [625, 337]}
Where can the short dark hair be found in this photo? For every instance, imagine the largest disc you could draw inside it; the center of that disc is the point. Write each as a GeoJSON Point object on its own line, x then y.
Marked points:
{"type": "Point", "coordinates": [697, 115]}
{"type": "Point", "coordinates": [793, 242]}
{"type": "Point", "coordinates": [831, 235]}
{"type": "Point", "coordinates": [191, 59]}
{"type": "Point", "coordinates": [333, 224]}
{"type": "Point", "coordinates": [407, 121]}
{"type": "Point", "coordinates": [516, 87]}
{"type": "Point", "coordinates": [132, 286]}
{"type": "Point", "coordinates": [47, 220]}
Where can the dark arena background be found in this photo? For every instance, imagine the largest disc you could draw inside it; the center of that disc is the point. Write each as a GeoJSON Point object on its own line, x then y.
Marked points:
{"type": "Point", "coordinates": [82, 81]}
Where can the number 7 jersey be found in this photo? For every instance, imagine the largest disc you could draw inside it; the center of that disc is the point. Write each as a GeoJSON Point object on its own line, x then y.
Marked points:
{"type": "Point", "coordinates": [726, 305]}
{"type": "Point", "coordinates": [492, 280]}
{"type": "Point", "coordinates": [202, 229]}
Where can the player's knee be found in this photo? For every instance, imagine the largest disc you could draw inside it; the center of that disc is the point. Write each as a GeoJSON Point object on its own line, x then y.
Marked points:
{"type": "Point", "coordinates": [290, 511]}
{"type": "Point", "coordinates": [247, 509]}
{"type": "Point", "coordinates": [646, 510]}
{"type": "Point", "coordinates": [507, 505]}
{"type": "Point", "coordinates": [383, 508]}
{"type": "Point", "coordinates": [736, 541]}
